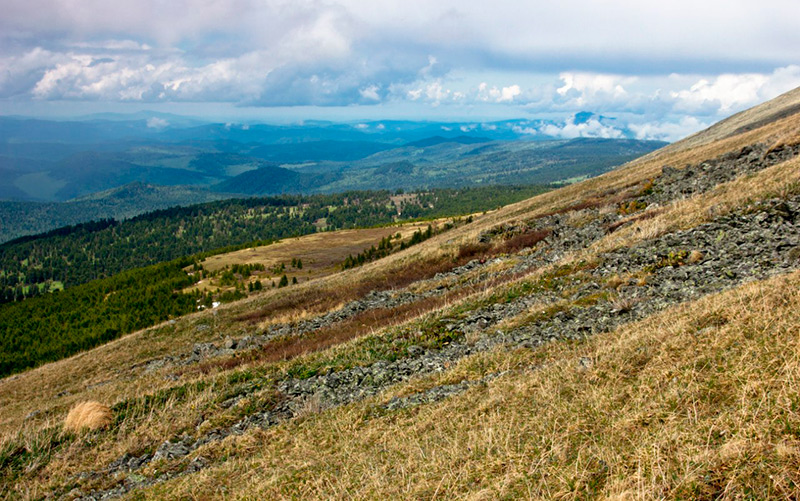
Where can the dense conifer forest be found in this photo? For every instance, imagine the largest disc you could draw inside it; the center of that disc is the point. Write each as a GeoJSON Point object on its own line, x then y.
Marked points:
{"type": "Point", "coordinates": [54, 326]}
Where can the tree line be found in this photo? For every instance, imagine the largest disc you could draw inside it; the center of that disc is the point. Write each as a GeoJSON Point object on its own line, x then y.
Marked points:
{"type": "Point", "coordinates": [74, 255]}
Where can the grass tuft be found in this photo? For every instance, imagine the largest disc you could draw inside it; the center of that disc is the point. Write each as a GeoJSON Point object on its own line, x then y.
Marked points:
{"type": "Point", "coordinates": [89, 415]}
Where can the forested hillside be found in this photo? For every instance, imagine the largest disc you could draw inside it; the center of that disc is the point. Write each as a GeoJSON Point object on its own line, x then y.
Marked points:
{"type": "Point", "coordinates": [19, 218]}
{"type": "Point", "coordinates": [74, 255]}
{"type": "Point", "coordinates": [57, 325]}
{"type": "Point", "coordinates": [454, 162]}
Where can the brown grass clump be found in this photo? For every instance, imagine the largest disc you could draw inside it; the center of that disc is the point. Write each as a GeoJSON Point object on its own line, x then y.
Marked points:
{"type": "Point", "coordinates": [88, 415]}
{"type": "Point", "coordinates": [615, 281]}
{"type": "Point", "coordinates": [695, 257]}
{"type": "Point", "coordinates": [471, 251]}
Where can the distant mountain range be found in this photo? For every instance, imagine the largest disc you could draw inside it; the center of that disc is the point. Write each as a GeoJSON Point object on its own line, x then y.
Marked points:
{"type": "Point", "coordinates": [166, 160]}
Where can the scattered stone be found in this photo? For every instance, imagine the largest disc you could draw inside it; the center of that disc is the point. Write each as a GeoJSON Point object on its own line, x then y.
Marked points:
{"type": "Point", "coordinates": [196, 464]}
{"type": "Point", "coordinates": [170, 450]}
{"type": "Point", "coordinates": [415, 351]}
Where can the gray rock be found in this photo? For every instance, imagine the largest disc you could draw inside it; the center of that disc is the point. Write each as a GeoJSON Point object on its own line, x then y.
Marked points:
{"type": "Point", "coordinates": [170, 450]}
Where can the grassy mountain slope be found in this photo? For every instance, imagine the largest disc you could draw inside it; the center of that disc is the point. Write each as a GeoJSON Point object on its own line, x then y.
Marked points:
{"type": "Point", "coordinates": [632, 335]}
{"type": "Point", "coordinates": [77, 254]}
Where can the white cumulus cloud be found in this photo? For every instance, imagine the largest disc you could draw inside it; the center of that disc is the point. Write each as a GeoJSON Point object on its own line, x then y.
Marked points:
{"type": "Point", "coordinates": [733, 92]}
{"type": "Point", "coordinates": [157, 123]}
{"type": "Point", "coordinates": [370, 93]}
{"type": "Point", "coordinates": [668, 130]}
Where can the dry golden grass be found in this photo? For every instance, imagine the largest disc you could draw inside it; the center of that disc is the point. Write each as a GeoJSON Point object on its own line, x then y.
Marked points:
{"type": "Point", "coordinates": [699, 402]}
{"type": "Point", "coordinates": [322, 253]}
{"type": "Point", "coordinates": [89, 415]}
{"type": "Point", "coordinates": [695, 257]}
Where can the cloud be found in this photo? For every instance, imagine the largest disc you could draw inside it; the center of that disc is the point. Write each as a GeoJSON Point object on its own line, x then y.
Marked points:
{"type": "Point", "coordinates": [20, 73]}
{"type": "Point", "coordinates": [507, 94]}
{"type": "Point", "coordinates": [157, 123]}
{"type": "Point", "coordinates": [725, 93]}
{"type": "Point", "coordinates": [370, 93]}
{"type": "Point", "coordinates": [668, 130]}
{"type": "Point", "coordinates": [618, 58]}
{"type": "Point", "coordinates": [580, 88]}
{"type": "Point", "coordinates": [435, 92]}
{"type": "Point", "coordinates": [589, 128]}
{"type": "Point", "coordinates": [730, 92]}
{"type": "Point", "coordinates": [576, 126]}
{"type": "Point", "coordinates": [79, 76]}
{"type": "Point", "coordinates": [621, 33]}
{"type": "Point", "coordinates": [498, 95]}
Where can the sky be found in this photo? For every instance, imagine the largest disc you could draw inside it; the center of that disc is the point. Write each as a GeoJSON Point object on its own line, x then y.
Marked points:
{"type": "Point", "coordinates": [660, 70]}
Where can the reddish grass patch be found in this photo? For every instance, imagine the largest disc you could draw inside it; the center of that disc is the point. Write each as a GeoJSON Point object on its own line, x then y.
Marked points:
{"type": "Point", "coordinates": [470, 251]}
{"type": "Point", "coordinates": [287, 348]}
{"type": "Point", "coordinates": [364, 323]}
{"type": "Point", "coordinates": [521, 241]}
{"type": "Point", "coordinates": [323, 300]}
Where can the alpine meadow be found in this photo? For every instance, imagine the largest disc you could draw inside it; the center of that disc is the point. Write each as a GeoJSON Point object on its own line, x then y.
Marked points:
{"type": "Point", "coordinates": [399, 251]}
